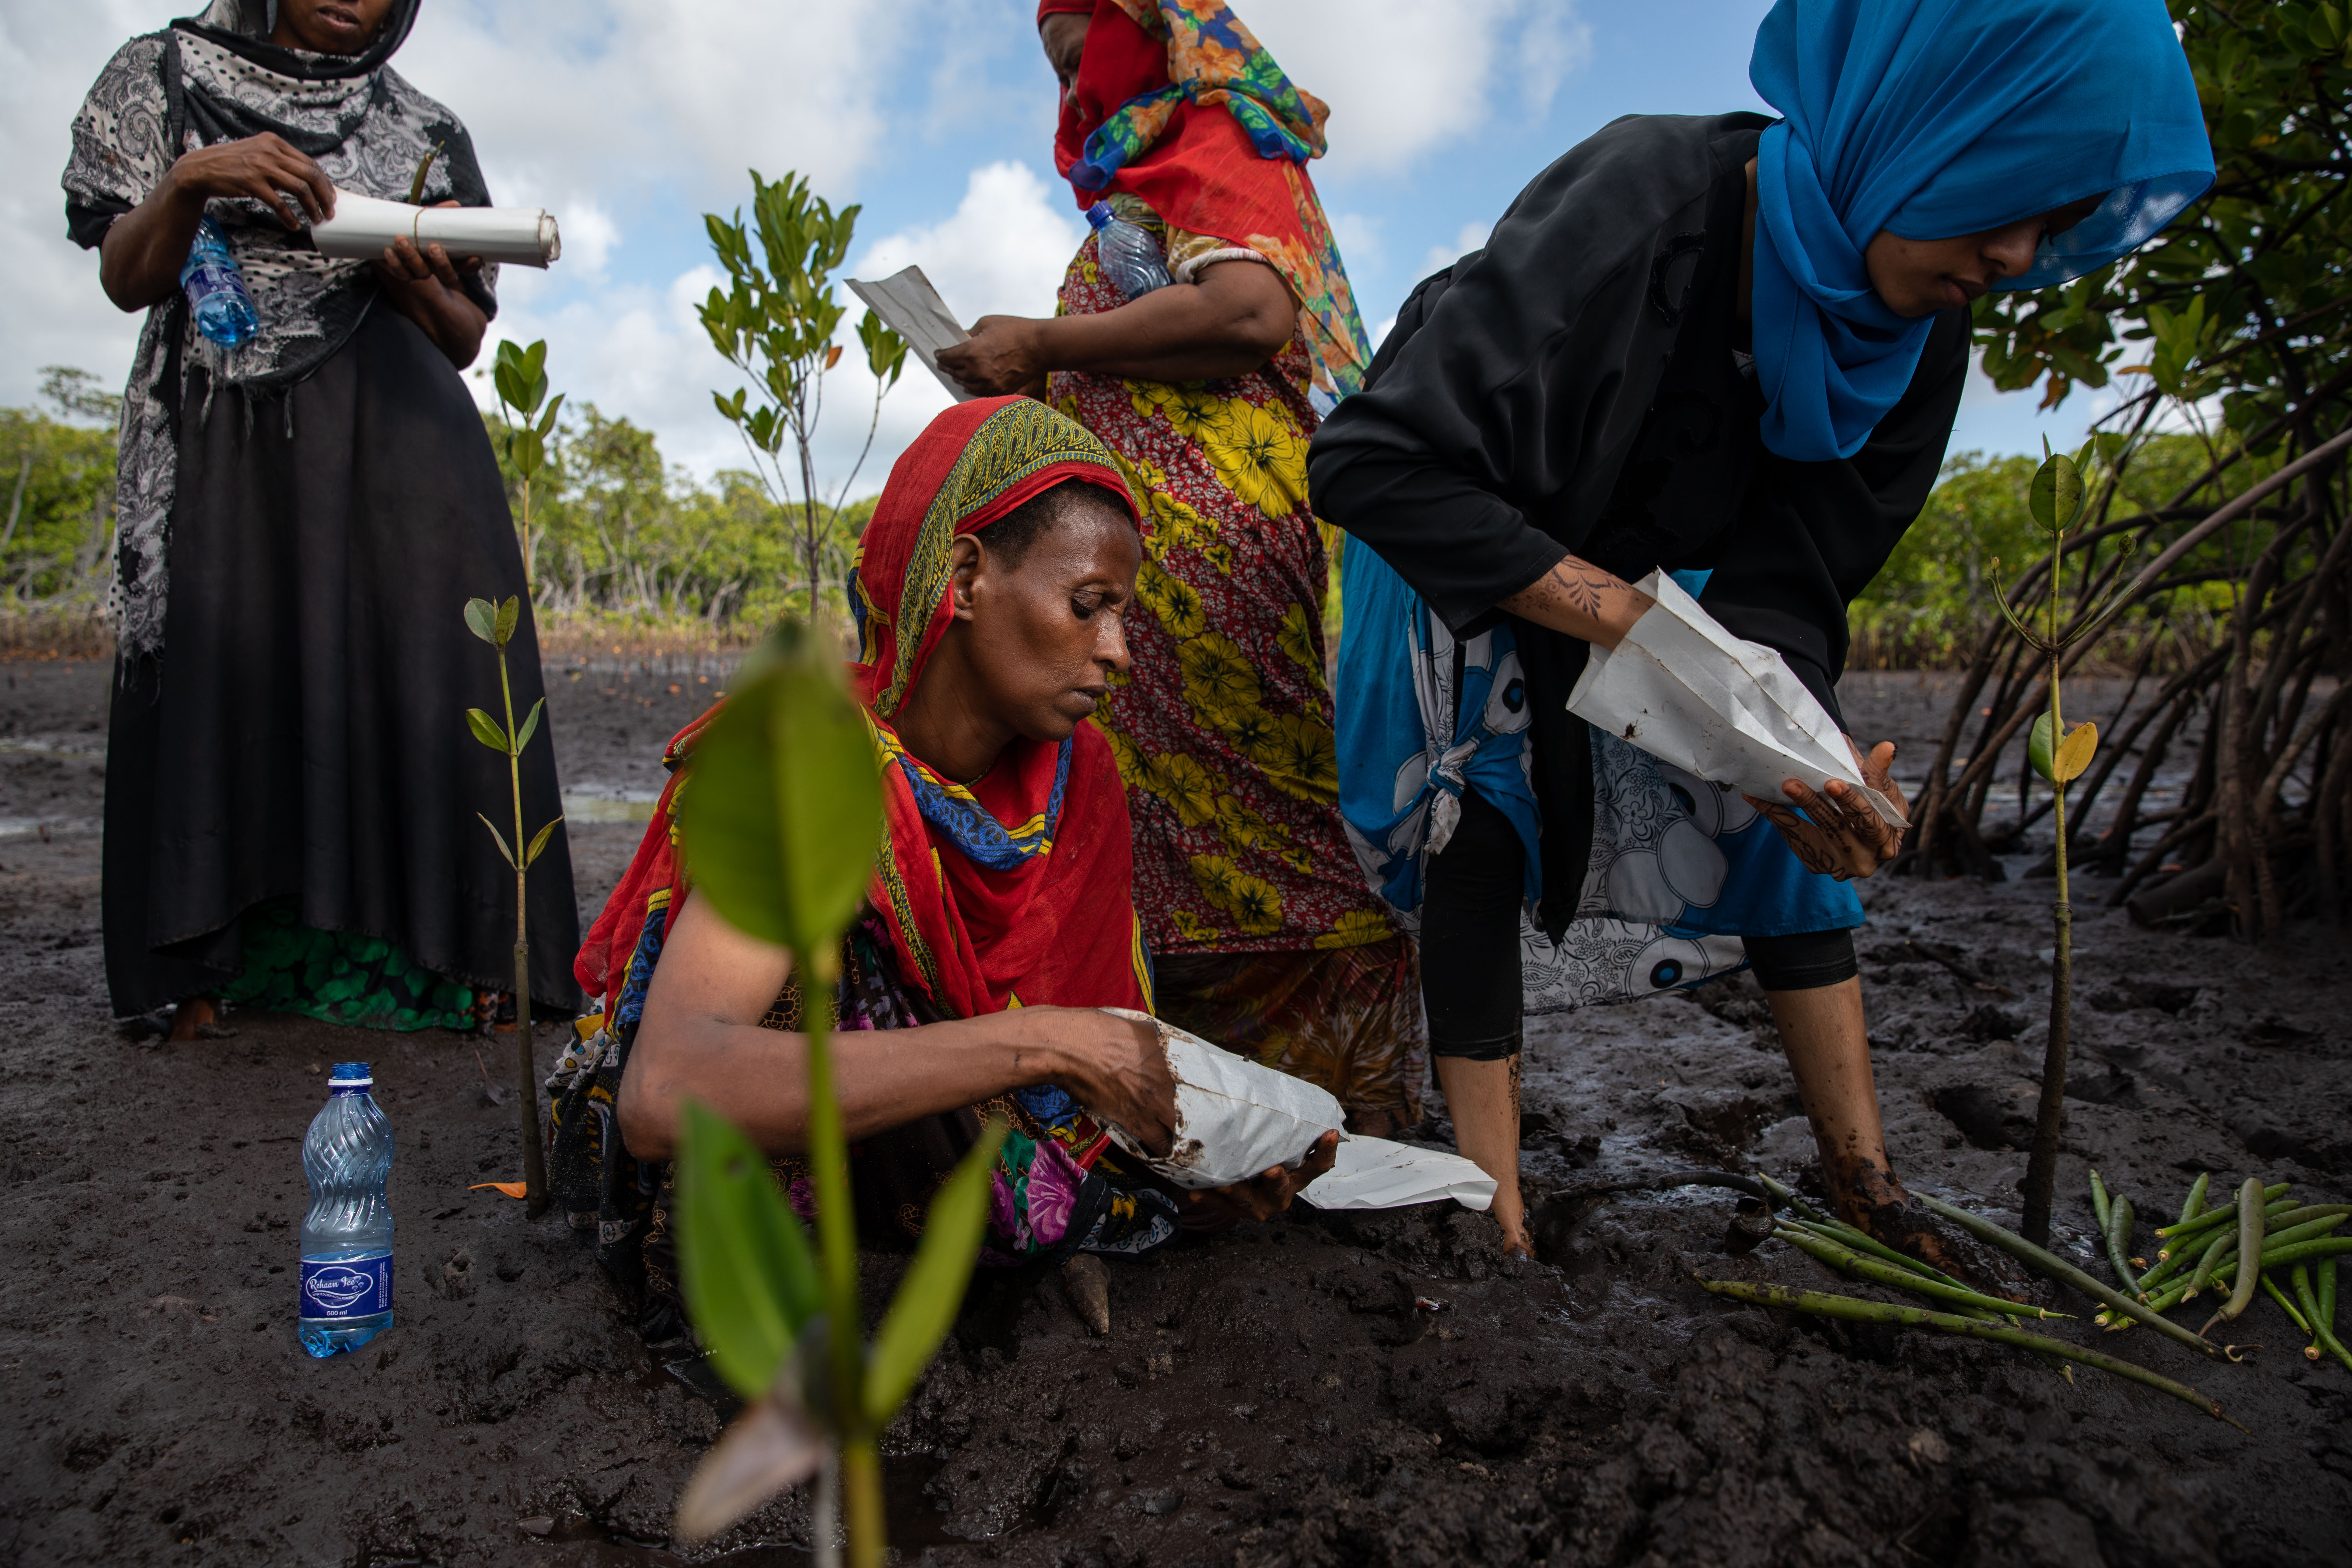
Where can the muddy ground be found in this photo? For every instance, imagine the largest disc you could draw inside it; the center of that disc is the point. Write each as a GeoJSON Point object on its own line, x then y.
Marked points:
{"type": "Point", "coordinates": [1273, 1396]}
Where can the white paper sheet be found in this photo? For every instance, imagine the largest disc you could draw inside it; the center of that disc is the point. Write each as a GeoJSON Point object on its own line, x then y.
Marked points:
{"type": "Point", "coordinates": [911, 308]}
{"type": "Point", "coordinates": [1235, 1119]}
{"type": "Point", "coordinates": [1377, 1174]}
{"type": "Point", "coordinates": [1688, 692]}
{"type": "Point", "coordinates": [363, 226]}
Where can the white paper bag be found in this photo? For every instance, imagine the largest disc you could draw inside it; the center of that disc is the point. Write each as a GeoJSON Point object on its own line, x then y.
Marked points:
{"type": "Point", "coordinates": [362, 227]}
{"type": "Point", "coordinates": [911, 308]}
{"type": "Point", "coordinates": [1688, 692]}
{"type": "Point", "coordinates": [1235, 1119]}
{"type": "Point", "coordinates": [1377, 1174]}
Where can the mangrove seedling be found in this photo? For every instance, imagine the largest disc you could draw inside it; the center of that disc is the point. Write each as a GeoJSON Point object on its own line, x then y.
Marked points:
{"type": "Point", "coordinates": [780, 830]}
{"type": "Point", "coordinates": [495, 625]}
{"type": "Point", "coordinates": [776, 322]}
{"type": "Point", "coordinates": [2059, 756]}
{"type": "Point", "coordinates": [520, 377]}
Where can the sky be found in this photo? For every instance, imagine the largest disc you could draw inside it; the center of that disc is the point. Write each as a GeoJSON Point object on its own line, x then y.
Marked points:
{"type": "Point", "coordinates": [630, 119]}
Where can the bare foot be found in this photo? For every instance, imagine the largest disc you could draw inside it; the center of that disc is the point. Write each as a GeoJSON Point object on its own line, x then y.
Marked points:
{"type": "Point", "coordinates": [1876, 1203]}
{"type": "Point", "coordinates": [191, 1016]}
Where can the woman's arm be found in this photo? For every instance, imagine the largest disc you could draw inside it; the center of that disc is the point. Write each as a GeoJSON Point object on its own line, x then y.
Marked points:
{"type": "Point", "coordinates": [428, 288]}
{"type": "Point", "coordinates": [701, 1039]}
{"type": "Point", "coordinates": [139, 259]}
{"type": "Point", "coordinates": [1234, 318]}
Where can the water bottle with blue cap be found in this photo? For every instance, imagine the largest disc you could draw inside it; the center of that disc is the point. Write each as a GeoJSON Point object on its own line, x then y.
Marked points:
{"type": "Point", "coordinates": [347, 1233]}
{"type": "Point", "coordinates": [1129, 257]}
{"type": "Point", "coordinates": [214, 285]}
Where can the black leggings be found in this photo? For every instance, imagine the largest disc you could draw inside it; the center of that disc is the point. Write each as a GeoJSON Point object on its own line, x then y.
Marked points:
{"type": "Point", "coordinates": [1470, 942]}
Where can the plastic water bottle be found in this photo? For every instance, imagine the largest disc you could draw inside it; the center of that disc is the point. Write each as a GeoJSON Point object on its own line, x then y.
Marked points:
{"type": "Point", "coordinates": [347, 1233]}
{"type": "Point", "coordinates": [216, 289]}
{"type": "Point", "coordinates": [1130, 257]}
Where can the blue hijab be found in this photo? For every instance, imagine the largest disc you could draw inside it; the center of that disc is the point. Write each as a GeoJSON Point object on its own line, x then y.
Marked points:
{"type": "Point", "coordinates": [1936, 118]}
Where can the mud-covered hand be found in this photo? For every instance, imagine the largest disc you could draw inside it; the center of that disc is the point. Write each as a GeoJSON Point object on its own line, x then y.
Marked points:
{"type": "Point", "coordinates": [1841, 835]}
{"type": "Point", "coordinates": [1000, 356]}
{"type": "Point", "coordinates": [1119, 1070]}
{"type": "Point", "coordinates": [1261, 1197]}
{"type": "Point", "coordinates": [428, 288]}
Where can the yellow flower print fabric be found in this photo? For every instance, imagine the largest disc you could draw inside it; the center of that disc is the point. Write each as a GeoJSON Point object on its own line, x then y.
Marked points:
{"type": "Point", "coordinates": [1223, 730]}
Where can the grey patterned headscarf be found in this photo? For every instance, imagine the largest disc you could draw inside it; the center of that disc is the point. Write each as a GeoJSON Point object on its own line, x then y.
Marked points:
{"type": "Point", "coordinates": [217, 78]}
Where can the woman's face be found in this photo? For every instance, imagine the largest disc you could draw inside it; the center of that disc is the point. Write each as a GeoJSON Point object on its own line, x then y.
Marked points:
{"type": "Point", "coordinates": [1042, 636]}
{"type": "Point", "coordinates": [1920, 277]}
{"type": "Point", "coordinates": [329, 26]}
{"type": "Point", "coordinates": [1064, 34]}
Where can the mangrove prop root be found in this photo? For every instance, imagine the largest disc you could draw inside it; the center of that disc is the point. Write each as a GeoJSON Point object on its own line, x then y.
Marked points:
{"type": "Point", "coordinates": [1854, 1309]}
{"type": "Point", "coordinates": [2058, 1269]}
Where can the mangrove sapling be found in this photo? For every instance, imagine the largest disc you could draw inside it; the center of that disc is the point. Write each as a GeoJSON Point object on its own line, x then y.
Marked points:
{"type": "Point", "coordinates": [495, 625]}
{"type": "Point", "coordinates": [1852, 1309]}
{"type": "Point", "coordinates": [2059, 756]}
{"type": "Point", "coordinates": [520, 377]}
{"type": "Point", "coordinates": [781, 829]}
{"type": "Point", "coordinates": [2058, 1269]}
{"type": "Point", "coordinates": [776, 324]}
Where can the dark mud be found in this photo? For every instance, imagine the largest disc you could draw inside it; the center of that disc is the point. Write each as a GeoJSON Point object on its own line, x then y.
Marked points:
{"type": "Point", "coordinates": [1326, 1390]}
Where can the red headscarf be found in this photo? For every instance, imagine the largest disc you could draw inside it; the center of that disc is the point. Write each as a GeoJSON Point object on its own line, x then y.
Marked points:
{"type": "Point", "coordinates": [1202, 124]}
{"type": "Point", "coordinates": [1016, 890]}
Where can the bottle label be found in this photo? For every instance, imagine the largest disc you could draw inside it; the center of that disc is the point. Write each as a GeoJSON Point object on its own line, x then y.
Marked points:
{"type": "Point", "coordinates": [353, 1288]}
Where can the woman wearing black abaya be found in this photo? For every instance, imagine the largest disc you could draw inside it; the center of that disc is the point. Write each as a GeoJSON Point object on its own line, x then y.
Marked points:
{"type": "Point", "coordinates": [291, 789]}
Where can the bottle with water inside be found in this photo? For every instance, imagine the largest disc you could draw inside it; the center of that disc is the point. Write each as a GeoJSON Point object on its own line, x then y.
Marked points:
{"type": "Point", "coordinates": [347, 1233]}
{"type": "Point", "coordinates": [216, 289]}
{"type": "Point", "coordinates": [1129, 257]}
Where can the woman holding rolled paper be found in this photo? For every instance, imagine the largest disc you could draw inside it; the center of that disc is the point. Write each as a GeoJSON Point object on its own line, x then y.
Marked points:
{"type": "Point", "coordinates": [1728, 350]}
{"type": "Point", "coordinates": [291, 789]}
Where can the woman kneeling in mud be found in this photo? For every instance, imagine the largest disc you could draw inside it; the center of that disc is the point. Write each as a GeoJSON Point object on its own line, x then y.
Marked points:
{"type": "Point", "coordinates": [990, 593]}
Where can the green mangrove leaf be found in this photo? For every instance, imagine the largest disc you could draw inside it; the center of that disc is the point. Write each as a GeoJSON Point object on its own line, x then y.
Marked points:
{"type": "Point", "coordinates": [486, 729]}
{"type": "Point", "coordinates": [783, 820]}
{"type": "Point", "coordinates": [2037, 745]}
{"type": "Point", "coordinates": [538, 844]}
{"type": "Point", "coordinates": [743, 1258]}
{"type": "Point", "coordinates": [508, 614]}
{"type": "Point", "coordinates": [530, 724]}
{"type": "Point", "coordinates": [932, 1291]}
{"type": "Point", "coordinates": [547, 417]}
{"type": "Point", "coordinates": [2057, 493]}
{"type": "Point", "coordinates": [505, 854]}
{"type": "Point", "coordinates": [482, 620]}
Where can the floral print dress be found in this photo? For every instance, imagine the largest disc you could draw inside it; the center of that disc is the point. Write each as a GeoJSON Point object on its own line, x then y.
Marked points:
{"type": "Point", "coordinates": [1264, 934]}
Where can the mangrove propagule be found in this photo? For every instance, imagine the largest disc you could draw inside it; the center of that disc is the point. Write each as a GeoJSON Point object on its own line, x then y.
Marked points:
{"type": "Point", "coordinates": [1854, 1308]}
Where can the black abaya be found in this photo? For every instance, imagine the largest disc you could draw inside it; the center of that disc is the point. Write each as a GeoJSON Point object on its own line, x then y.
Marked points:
{"type": "Point", "coordinates": [303, 736]}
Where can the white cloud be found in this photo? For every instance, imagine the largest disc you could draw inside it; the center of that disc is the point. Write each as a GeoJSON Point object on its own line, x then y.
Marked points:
{"type": "Point", "coordinates": [1403, 79]}
{"type": "Point", "coordinates": [1470, 237]}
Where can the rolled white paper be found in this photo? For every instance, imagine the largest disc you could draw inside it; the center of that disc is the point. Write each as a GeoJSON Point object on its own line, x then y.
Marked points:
{"type": "Point", "coordinates": [362, 227]}
{"type": "Point", "coordinates": [1688, 692]}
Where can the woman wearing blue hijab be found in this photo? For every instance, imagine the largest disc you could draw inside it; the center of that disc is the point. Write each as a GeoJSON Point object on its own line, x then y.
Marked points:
{"type": "Point", "coordinates": [1729, 348]}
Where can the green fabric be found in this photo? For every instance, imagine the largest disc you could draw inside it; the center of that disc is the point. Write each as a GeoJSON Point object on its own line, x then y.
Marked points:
{"type": "Point", "coordinates": [342, 977]}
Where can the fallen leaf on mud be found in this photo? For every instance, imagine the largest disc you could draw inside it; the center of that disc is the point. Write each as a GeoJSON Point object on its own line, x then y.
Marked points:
{"type": "Point", "coordinates": [1929, 1447]}
{"type": "Point", "coordinates": [511, 1189]}
{"type": "Point", "coordinates": [540, 1526]}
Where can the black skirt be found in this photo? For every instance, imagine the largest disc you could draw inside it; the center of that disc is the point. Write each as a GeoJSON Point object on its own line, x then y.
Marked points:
{"type": "Point", "coordinates": [303, 738]}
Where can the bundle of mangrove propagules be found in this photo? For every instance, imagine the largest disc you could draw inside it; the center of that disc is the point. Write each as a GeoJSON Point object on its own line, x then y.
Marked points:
{"type": "Point", "coordinates": [1974, 1313]}
{"type": "Point", "coordinates": [2208, 1248]}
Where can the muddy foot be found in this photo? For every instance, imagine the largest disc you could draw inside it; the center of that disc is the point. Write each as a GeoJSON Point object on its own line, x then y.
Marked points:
{"type": "Point", "coordinates": [1888, 1214]}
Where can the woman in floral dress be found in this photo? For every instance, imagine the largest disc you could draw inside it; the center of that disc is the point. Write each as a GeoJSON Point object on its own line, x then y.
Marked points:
{"type": "Point", "coordinates": [1264, 933]}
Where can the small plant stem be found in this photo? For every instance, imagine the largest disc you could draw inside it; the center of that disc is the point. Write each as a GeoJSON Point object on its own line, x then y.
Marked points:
{"type": "Point", "coordinates": [2042, 1163]}
{"type": "Point", "coordinates": [861, 1487]}
{"type": "Point", "coordinates": [534, 1160]}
